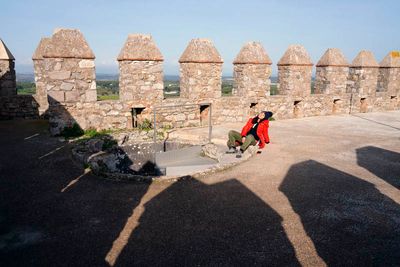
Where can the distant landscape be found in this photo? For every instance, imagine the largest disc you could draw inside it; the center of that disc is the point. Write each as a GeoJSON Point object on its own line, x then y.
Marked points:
{"type": "Point", "coordinates": [108, 85]}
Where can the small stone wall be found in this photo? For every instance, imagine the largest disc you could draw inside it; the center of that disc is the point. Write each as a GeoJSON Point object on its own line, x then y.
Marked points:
{"type": "Point", "coordinates": [19, 106]}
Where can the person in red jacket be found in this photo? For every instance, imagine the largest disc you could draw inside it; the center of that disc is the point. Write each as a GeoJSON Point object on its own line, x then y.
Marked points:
{"type": "Point", "coordinates": [255, 131]}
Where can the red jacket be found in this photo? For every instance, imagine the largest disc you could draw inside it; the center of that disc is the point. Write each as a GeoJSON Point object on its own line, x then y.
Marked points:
{"type": "Point", "coordinates": [262, 131]}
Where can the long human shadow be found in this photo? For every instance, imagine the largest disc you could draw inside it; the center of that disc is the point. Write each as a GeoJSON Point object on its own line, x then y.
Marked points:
{"type": "Point", "coordinates": [192, 223]}
{"type": "Point", "coordinates": [350, 222]}
{"type": "Point", "coordinates": [53, 213]}
{"type": "Point", "coordinates": [382, 162]}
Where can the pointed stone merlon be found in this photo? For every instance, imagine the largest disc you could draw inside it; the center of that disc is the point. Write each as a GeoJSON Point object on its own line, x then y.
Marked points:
{"type": "Point", "coordinates": [200, 71]}
{"type": "Point", "coordinates": [363, 75]}
{"type": "Point", "coordinates": [251, 72]}
{"type": "Point", "coordinates": [8, 86]}
{"type": "Point", "coordinates": [294, 72]}
{"type": "Point", "coordinates": [141, 71]}
{"type": "Point", "coordinates": [39, 71]}
{"type": "Point", "coordinates": [389, 74]}
{"type": "Point", "coordinates": [332, 72]}
{"type": "Point", "coordinates": [70, 76]}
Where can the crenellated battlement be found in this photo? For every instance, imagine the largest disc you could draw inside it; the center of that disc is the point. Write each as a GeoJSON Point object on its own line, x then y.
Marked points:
{"type": "Point", "coordinates": [66, 84]}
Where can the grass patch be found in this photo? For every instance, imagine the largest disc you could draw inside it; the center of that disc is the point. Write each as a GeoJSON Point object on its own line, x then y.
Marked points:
{"type": "Point", "coordinates": [26, 88]}
{"type": "Point", "coordinates": [107, 97]}
{"type": "Point", "coordinates": [71, 132]}
{"type": "Point", "coordinates": [146, 125]}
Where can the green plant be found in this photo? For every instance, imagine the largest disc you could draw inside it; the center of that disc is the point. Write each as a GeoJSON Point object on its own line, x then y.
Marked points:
{"type": "Point", "coordinates": [271, 119]}
{"type": "Point", "coordinates": [108, 143]}
{"type": "Point", "coordinates": [146, 125]}
{"type": "Point", "coordinates": [74, 131]}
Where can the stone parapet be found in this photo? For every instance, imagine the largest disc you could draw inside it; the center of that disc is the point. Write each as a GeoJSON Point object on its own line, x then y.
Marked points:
{"type": "Point", "coordinates": [294, 72]}
{"type": "Point", "coordinates": [252, 71]}
{"type": "Point", "coordinates": [331, 74]}
{"type": "Point", "coordinates": [8, 85]}
{"type": "Point", "coordinates": [141, 71]}
{"type": "Point", "coordinates": [363, 75]}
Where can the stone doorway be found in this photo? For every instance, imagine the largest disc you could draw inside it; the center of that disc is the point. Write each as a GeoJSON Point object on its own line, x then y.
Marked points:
{"type": "Point", "coordinates": [204, 114]}
{"type": "Point", "coordinates": [363, 105]}
{"type": "Point", "coordinates": [297, 109]}
{"type": "Point", "coordinates": [337, 105]}
{"type": "Point", "coordinates": [136, 118]}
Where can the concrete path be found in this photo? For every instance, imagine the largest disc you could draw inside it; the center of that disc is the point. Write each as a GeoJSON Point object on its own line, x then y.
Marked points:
{"type": "Point", "coordinates": [324, 192]}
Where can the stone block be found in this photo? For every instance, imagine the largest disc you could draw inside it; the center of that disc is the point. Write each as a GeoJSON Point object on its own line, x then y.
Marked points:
{"type": "Point", "coordinates": [86, 63]}
{"type": "Point", "coordinates": [66, 86]}
{"type": "Point", "coordinates": [56, 96]}
{"type": "Point", "coordinates": [91, 96]}
{"type": "Point", "coordinates": [59, 75]}
{"type": "Point", "coordinates": [72, 96]}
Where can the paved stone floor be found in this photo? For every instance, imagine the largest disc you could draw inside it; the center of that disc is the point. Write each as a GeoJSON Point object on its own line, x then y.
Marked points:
{"type": "Point", "coordinates": [324, 192]}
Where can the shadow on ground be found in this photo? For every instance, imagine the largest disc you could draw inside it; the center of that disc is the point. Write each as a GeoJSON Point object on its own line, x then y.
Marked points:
{"type": "Point", "coordinates": [192, 223]}
{"type": "Point", "coordinates": [52, 213]}
{"type": "Point", "coordinates": [45, 220]}
{"type": "Point", "coordinates": [350, 222]}
{"type": "Point", "coordinates": [383, 163]}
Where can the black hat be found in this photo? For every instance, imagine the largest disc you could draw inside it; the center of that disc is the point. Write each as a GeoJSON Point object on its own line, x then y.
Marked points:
{"type": "Point", "coordinates": [268, 114]}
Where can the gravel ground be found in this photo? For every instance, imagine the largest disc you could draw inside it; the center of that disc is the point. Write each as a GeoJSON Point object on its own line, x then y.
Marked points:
{"type": "Point", "coordinates": [324, 192]}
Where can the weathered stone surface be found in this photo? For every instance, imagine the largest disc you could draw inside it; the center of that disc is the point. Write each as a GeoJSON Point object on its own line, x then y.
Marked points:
{"type": "Point", "coordinates": [364, 59]}
{"type": "Point", "coordinates": [252, 80]}
{"type": "Point", "coordinates": [56, 96]}
{"type": "Point", "coordinates": [333, 57]}
{"type": "Point", "coordinates": [5, 53]}
{"type": "Point", "coordinates": [332, 72]}
{"type": "Point", "coordinates": [140, 47]}
{"type": "Point", "coordinates": [91, 95]}
{"type": "Point", "coordinates": [200, 51]}
{"type": "Point", "coordinates": [8, 85]}
{"type": "Point", "coordinates": [294, 72]}
{"type": "Point", "coordinates": [68, 43]}
{"type": "Point", "coordinates": [141, 81]}
{"type": "Point", "coordinates": [389, 74]}
{"type": "Point", "coordinates": [252, 53]}
{"type": "Point", "coordinates": [59, 75]}
{"type": "Point", "coordinates": [294, 80]}
{"type": "Point", "coordinates": [38, 54]}
{"type": "Point", "coordinates": [391, 60]}
{"type": "Point", "coordinates": [85, 64]}
{"type": "Point", "coordinates": [200, 81]}
{"type": "Point", "coordinates": [295, 55]}
{"type": "Point", "coordinates": [363, 75]}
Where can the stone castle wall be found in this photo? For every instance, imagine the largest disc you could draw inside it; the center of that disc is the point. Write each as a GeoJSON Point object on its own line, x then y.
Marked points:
{"type": "Point", "coordinates": [252, 80]}
{"type": "Point", "coordinates": [7, 78]}
{"type": "Point", "coordinates": [363, 81]}
{"type": "Point", "coordinates": [200, 81]}
{"type": "Point", "coordinates": [389, 80]}
{"type": "Point", "coordinates": [141, 81]}
{"type": "Point", "coordinates": [331, 80]}
{"type": "Point", "coordinates": [65, 77]}
{"type": "Point", "coordinates": [294, 80]}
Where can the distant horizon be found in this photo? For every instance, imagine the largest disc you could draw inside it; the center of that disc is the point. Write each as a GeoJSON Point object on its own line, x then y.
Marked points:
{"type": "Point", "coordinates": [351, 26]}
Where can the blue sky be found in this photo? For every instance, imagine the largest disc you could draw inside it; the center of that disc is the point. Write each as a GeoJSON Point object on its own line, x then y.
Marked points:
{"type": "Point", "coordinates": [318, 25]}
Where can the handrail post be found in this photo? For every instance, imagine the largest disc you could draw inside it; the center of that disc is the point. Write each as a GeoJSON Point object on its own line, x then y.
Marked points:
{"type": "Point", "coordinates": [155, 136]}
{"type": "Point", "coordinates": [210, 123]}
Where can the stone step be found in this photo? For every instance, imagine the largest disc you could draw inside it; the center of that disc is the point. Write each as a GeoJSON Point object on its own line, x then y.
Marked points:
{"type": "Point", "coordinates": [189, 156]}
{"type": "Point", "coordinates": [186, 170]}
